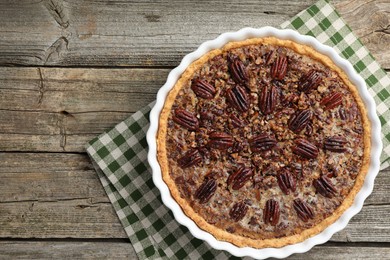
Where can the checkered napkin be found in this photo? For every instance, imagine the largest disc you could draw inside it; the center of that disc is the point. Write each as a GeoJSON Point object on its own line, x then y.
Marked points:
{"type": "Point", "coordinates": [120, 155]}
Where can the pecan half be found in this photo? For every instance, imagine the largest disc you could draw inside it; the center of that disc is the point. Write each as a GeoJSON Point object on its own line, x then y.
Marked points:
{"type": "Point", "coordinates": [269, 57]}
{"type": "Point", "coordinates": [271, 212]}
{"type": "Point", "coordinates": [262, 142]}
{"type": "Point", "coordinates": [286, 182]}
{"type": "Point", "coordinates": [238, 98]}
{"type": "Point", "coordinates": [203, 89]}
{"type": "Point", "coordinates": [238, 179]}
{"type": "Point", "coordinates": [236, 122]}
{"type": "Point", "coordinates": [279, 68]}
{"type": "Point", "coordinates": [186, 119]}
{"type": "Point", "coordinates": [238, 72]}
{"type": "Point", "coordinates": [303, 210]}
{"type": "Point", "coordinates": [238, 211]}
{"type": "Point", "coordinates": [309, 81]}
{"type": "Point", "coordinates": [324, 186]}
{"type": "Point", "coordinates": [335, 144]}
{"type": "Point", "coordinates": [332, 100]}
{"type": "Point", "coordinates": [268, 99]}
{"type": "Point", "coordinates": [220, 140]}
{"type": "Point", "coordinates": [191, 157]}
{"type": "Point", "coordinates": [343, 114]}
{"type": "Point", "coordinates": [305, 149]}
{"type": "Point", "coordinates": [206, 190]}
{"type": "Point", "coordinates": [300, 120]}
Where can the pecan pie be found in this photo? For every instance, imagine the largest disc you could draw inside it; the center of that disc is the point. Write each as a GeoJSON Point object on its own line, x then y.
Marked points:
{"type": "Point", "coordinates": [264, 142]}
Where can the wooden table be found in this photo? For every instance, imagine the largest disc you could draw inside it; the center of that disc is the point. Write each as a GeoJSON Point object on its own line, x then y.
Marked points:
{"type": "Point", "coordinates": [70, 70]}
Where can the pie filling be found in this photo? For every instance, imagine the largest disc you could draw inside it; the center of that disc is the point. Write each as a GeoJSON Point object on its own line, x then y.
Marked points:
{"type": "Point", "coordinates": [264, 142]}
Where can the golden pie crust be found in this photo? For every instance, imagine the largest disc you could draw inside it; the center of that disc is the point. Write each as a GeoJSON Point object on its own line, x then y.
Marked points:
{"type": "Point", "coordinates": [222, 234]}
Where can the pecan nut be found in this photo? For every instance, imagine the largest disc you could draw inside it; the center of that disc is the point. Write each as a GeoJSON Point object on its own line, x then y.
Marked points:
{"type": "Point", "coordinates": [324, 186]}
{"type": "Point", "coordinates": [343, 114]}
{"type": "Point", "coordinates": [279, 68]}
{"type": "Point", "coordinates": [203, 89]}
{"type": "Point", "coordinates": [236, 122]}
{"type": "Point", "coordinates": [238, 98]}
{"type": "Point", "coordinates": [309, 81]}
{"type": "Point", "coordinates": [206, 190]}
{"type": "Point", "coordinates": [237, 179]}
{"type": "Point", "coordinates": [262, 143]}
{"type": "Point", "coordinates": [271, 212]}
{"type": "Point", "coordinates": [300, 120]}
{"type": "Point", "coordinates": [237, 71]}
{"type": "Point", "coordinates": [286, 182]}
{"type": "Point", "coordinates": [303, 210]}
{"type": "Point", "coordinates": [238, 211]}
{"type": "Point", "coordinates": [305, 149]}
{"type": "Point", "coordinates": [348, 114]}
{"type": "Point", "coordinates": [190, 158]}
{"type": "Point", "coordinates": [220, 140]}
{"type": "Point", "coordinates": [332, 100]}
{"type": "Point", "coordinates": [335, 144]}
{"type": "Point", "coordinates": [269, 56]}
{"type": "Point", "coordinates": [186, 119]}
{"type": "Point", "coordinates": [268, 99]}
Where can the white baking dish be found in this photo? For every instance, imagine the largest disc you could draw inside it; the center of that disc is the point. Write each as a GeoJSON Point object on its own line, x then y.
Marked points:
{"type": "Point", "coordinates": [376, 144]}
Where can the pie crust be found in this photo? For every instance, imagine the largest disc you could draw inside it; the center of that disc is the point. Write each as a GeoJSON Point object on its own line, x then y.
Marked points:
{"type": "Point", "coordinates": [221, 233]}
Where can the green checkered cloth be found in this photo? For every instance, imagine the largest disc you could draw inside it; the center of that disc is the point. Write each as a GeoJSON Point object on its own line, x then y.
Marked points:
{"type": "Point", "coordinates": [120, 155]}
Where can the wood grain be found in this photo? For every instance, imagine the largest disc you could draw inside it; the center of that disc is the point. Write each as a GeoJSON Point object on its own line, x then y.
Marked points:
{"type": "Point", "coordinates": [61, 109]}
{"type": "Point", "coordinates": [66, 218]}
{"type": "Point", "coordinates": [48, 177]}
{"type": "Point", "coordinates": [57, 195]}
{"type": "Point", "coordinates": [120, 33]}
{"type": "Point", "coordinates": [81, 218]}
{"type": "Point", "coordinates": [64, 176]}
{"type": "Point", "coordinates": [49, 110]}
{"type": "Point", "coordinates": [122, 250]}
{"type": "Point", "coordinates": [78, 90]}
{"type": "Point", "coordinates": [66, 250]}
{"type": "Point", "coordinates": [372, 25]}
{"type": "Point", "coordinates": [112, 33]}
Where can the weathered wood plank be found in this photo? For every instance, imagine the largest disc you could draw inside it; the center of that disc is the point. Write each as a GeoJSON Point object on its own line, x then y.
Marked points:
{"type": "Point", "coordinates": [66, 250]}
{"type": "Point", "coordinates": [108, 33]}
{"type": "Point", "coordinates": [49, 143]}
{"type": "Point", "coordinates": [75, 218]}
{"type": "Point", "coordinates": [112, 33]}
{"type": "Point", "coordinates": [54, 195]}
{"type": "Point", "coordinates": [59, 195]}
{"type": "Point", "coordinates": [58, 176]}
{"type": "Point", "coordinates": [81, 218]}
{"type": "Point", "coordinates": [56, 109]}
{"type": "Point", "coordinates": [62, 176]}
{"type": "Point", "coordinates": [369, 225]}
{"type": "Point", "coordinates": [123, 250]}
{"type": "Point", "coordinates": [78, 90]}
{"type": "Point", "coordinates": [344, 251]}
{"type": "Point", "coordinates": [373, 25]}
{"type": "Point", "coordinates": [48, 177]}
{"type": "Point", "coordinates": [60, 109]}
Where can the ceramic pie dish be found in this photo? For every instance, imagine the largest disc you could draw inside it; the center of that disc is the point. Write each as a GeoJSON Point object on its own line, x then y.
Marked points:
{"type": "Point", "coordinates": [264, 142]}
